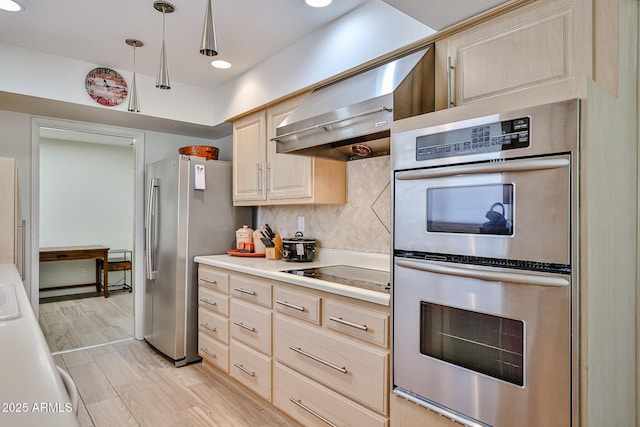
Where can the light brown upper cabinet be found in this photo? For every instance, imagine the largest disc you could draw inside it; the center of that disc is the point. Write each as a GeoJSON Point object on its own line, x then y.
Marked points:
{"type": "Point", "coordinates": [261, 176]}
{"type": "Point", "coordinates": [528, 50]}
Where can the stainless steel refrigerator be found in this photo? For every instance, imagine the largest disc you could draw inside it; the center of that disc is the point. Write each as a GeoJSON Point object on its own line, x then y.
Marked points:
{"type": "Point", "coordinates": [188, 212]}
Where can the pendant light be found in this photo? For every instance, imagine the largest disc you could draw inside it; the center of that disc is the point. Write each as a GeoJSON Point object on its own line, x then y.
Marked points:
{"type": "Point", "coordinates": [162, 80]}
{"type": "Point", "coordinates": [209, 46]}
{"type": "Point", "coordinates": [134, 104]}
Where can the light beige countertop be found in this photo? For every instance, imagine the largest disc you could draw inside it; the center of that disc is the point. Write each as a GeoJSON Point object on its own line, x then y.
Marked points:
{"type": "Point", "coordinates": [32, 392]}
{"type": "Point", "coordinates": [274, 269]}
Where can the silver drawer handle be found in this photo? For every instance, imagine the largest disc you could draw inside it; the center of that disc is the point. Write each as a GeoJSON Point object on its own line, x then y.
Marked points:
{"type": "Point", "coordinates": [245, 370]}
{"type": "Point", "coordinates": [243, 326]}
{"type": "Point", "coordinates": [311, 411]}
{"type": "Point", "coordinates": [206, 326]}
{"type": "Point", "coordinates": [346, 322]}
{"type": "Point", "coordinates": [207, 352]}
{"type": "Point", "coordinates": [213, 282]}
{"type": "Point", "coordinates": [244, 291]}
{"type": "Point", "coordinates": [207, 301]}
{"type": "Point", "coordinates": [288, 304]}
{"type": "Point", "coordinates": [317, 359]}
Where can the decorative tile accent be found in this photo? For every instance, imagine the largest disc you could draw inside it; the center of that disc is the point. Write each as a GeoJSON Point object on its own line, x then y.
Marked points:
{"type": "Point", "coordinates": [362, 224]}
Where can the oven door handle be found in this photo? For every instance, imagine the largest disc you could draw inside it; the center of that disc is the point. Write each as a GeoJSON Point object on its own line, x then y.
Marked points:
{"type": "Point", "coordinates": [476, 273]}
{"type": "Point", "coordinates": [491, 167]}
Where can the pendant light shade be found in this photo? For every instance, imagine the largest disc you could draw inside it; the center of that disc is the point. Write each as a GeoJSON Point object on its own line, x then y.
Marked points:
{"type": "Point", "coordinates": [209, 46]}
{"type": "Point", "coordinates": [134, 103]}
{"type": "Point", "coordinates": [162, 79]}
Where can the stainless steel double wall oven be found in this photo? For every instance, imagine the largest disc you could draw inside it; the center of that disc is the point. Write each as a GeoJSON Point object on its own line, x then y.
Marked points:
{"type": "Point", "coordinates": [483, 286]}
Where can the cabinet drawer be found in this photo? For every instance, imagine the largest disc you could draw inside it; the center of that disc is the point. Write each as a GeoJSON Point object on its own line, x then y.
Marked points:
{"type": "Point", "coordinates": [309, 402]}
{"type": "Point", "coordinates": [251, 289]}
{"type": "Point", "coordinates": [251, 325]}
{"type": "Point", "coordinates": [367, 325]}
{"type": "Point", "coordinates": [251, 368]}
{"type": "Point", "coordinates": [346, 366]}
{"type": "Point", "coordinates": [214, 279]}
{"type": "Point", "coordinates": [297, 304]}
{"type": "Point", "coordinates": [213, 352]}
{"type": "Point", "coordinates": [213, 301]}
{"type": "Point", "coordinates": [213, 325]}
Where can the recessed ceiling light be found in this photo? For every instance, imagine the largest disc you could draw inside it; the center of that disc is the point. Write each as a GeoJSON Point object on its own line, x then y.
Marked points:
{"type": "Point", "coordinates": [10, 6]}
{"type": "Point", "coordinates": [218, 63]}
{"type": "Point", "coordinates": [318, 3]}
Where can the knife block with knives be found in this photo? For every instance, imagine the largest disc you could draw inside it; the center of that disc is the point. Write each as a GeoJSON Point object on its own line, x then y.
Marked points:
{"type": "Point", "coordinates": [274, 252]}
{"type": "Point", "coordinates": [272, 242]}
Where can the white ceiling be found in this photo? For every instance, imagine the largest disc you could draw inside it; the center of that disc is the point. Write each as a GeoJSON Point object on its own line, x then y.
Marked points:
{"type": "Point", "coordinates": [248, 32]}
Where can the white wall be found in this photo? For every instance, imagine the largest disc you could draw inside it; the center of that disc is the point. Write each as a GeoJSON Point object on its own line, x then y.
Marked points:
{"type": "Point", "coordinates": [86, 194]}
{"type": "Point", "coordinates": [369, 32]}
{"type": "Point", "coordinates": [21, 73]}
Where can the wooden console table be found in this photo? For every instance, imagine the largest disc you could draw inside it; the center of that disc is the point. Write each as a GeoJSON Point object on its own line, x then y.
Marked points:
{"type": "Point", "coordinates": [68, 253]}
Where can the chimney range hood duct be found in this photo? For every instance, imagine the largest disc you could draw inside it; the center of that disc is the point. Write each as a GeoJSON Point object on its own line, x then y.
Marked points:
{"type": "Point", "coordinates": [351, 119]}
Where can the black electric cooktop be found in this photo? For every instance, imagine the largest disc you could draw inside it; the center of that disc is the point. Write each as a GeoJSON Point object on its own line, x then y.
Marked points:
{"type": "Point", "coordinates": [363, 278]}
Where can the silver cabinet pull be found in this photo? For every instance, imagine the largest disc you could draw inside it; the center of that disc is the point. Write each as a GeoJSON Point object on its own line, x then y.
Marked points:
{"type": "Point", "coordinates": [299, 403]}
{"type": "Point", "coordinates": [245, 370]}
{"type": "Point", "coordinates": [317, 359]}
{"type": "Point", "coordinates": [287, 304]}
{"type": "Point", "coordinates": [243, 326]}
{"type": "Point", "coordinates": [346, 322]}
{"type": "Point", "coordinates": [258, 169]}
{"type": "Point", "coordinates": [206, 326]}
{"type": "Point", "coordinates": [244, 291]}
{"type": "Point", "coordinates": [207, 352]}
{"type": "Point", "coordinates": [450, 102]}
{"type": "Point", "coordinates": [207, 301]}
{"type": "Point", "coordinates": [23, 241]}
{"type": "Point", "coordinates": [213, 282]}
{"type": "Point", "coordinates": [266, 177]}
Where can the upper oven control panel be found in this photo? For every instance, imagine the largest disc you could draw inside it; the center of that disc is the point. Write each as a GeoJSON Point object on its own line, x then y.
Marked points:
{"type": "Point", "coordinates": [487, 138]}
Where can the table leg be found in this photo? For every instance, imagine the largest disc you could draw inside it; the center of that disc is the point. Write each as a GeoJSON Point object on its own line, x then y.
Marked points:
{"type": "Point", "coordinates": [106, 275]}
{"type": "Point", "coordinates": [98, 275]}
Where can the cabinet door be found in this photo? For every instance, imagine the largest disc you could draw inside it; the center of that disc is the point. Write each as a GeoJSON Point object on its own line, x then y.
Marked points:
{"type": "Point", "coordinates": [249, 158]}
{"type": "Point", "coordinates": [528, 48]}
{"type": "Point", "coordinates": [288, 176]}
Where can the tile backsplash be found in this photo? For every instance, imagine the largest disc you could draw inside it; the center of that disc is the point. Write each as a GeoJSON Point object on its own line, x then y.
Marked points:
{"type": "Point", "coordinates": [363, 224]}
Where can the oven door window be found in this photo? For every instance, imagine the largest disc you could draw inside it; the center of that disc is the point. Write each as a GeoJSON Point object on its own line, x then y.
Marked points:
{"type": "Point", "coordinates": [478, 209]}
{"type": "Point", "coordinates": [487, 344]}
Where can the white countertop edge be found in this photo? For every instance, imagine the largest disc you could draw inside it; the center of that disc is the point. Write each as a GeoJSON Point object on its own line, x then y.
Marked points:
{"type": "Point", "coordinates": [272, 269]}
{"type": "Point", "coordinates": [29, 373]}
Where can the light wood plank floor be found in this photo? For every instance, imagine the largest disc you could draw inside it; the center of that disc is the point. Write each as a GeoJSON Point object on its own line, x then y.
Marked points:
{"type": "Point", "coordinates": [77, 323]}
{"type": "Point", "coordinates": [130, 384]}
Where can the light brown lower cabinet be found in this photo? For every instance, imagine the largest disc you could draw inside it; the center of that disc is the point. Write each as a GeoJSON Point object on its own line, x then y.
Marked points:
{"type": "Point", "coordinates": [358, 371]}
{"type": "Point", "coordinates": [251, 368]}
{"type": "Point", "coordinates": [315, 405]}
{"type": "Point", "coordinates": [321, 358]}
{"type": "Point", "coordinates": [213, 352]}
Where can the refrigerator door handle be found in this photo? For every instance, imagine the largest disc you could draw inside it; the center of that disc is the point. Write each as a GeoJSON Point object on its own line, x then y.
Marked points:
{"type": "Point", "coordinates": [149, 231]}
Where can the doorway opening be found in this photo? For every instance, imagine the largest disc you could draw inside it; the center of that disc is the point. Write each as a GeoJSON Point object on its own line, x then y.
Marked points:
{"type": "Point", "coordinates": [89, 181]}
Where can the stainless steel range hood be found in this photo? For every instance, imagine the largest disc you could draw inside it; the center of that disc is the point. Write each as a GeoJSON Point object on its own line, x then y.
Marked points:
{"type": "Point", "coordinates": [351, 119]}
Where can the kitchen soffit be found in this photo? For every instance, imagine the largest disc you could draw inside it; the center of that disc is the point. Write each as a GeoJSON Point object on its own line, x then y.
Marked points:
{"type": "Point", "coordinates": [439, 14]}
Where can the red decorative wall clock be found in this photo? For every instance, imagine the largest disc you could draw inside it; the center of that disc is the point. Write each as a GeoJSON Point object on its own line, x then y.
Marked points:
{"type": "Point", "coordinates": [106, 86]}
